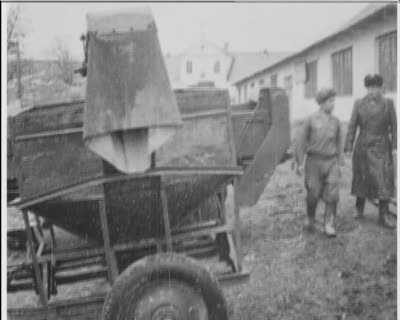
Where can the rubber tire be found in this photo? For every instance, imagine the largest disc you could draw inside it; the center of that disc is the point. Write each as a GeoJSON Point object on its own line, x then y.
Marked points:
{"type": "Point", "coordinates": [163, 266]}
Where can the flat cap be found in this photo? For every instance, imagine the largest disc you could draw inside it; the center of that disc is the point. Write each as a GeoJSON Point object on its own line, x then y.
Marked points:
{"type": "Point", "coordinates": [324, 94]}
{"type": "Point", "coordinates": [373, 80]}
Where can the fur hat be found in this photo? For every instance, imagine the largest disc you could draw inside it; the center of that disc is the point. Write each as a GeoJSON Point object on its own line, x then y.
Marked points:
{"type": "Point", "coordinates": [373, 80]}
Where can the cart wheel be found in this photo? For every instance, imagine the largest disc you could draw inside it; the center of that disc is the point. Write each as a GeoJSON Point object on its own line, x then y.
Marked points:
{"type": "Point", "coordinates": [165, 287]}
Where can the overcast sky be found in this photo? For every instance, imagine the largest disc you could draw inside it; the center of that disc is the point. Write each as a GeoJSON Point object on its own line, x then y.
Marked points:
{"type": "Point", "coordinates": [246, 27]}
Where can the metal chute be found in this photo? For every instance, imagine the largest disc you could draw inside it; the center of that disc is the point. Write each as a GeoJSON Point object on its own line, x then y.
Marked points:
{"type": "Point", "coordinates": [130, 109]}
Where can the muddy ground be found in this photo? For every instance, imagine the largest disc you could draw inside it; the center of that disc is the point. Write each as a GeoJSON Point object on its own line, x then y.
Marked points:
{"type": "Point", "coordinates": [299, 275]}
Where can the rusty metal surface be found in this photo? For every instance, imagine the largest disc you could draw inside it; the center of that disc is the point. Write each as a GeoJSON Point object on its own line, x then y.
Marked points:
{"type": "Point", "coordinates": [269, 153]}
{"type": "Point", "coordinates": [130, 109]}
{"type": "Point", "coordinates": [134, 91]}
{"type": "Point", "coordinates": [251, 125]}
{"type": "Point", "coordinates": [53, 161]}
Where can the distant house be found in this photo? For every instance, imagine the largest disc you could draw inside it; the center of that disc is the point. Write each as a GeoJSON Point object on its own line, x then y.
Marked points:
{"type": "Point", "coordinates": [212, 66]}
{"type": "Point", "coordinates": [366, 44]}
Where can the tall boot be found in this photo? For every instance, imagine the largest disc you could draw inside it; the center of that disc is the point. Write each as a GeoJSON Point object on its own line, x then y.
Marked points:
{"type": "Point", "coordinates": [311, 209]}
{"type": "Point", "coordinates": [330, 219]}
{"type": "Point", "coordinates": [360, 205]}
{"type": "Point", "coordinates": [384, 213]}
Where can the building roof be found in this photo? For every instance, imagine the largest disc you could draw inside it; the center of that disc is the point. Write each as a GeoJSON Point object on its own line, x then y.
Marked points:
{"type": "Point", "coordinates": [246, 63]}
{"type": "Point", "coordinates": [243, 64]}
{"type": "Point", "coordinates": [369, 12]}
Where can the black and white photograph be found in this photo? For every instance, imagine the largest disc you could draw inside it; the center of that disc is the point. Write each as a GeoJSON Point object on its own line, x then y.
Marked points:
{"type": "Point", "coordinates": [199, 160]}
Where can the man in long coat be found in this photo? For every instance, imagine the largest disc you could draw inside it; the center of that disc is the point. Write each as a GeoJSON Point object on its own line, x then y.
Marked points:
{"type": "Point", "coordinates": [374, 117]}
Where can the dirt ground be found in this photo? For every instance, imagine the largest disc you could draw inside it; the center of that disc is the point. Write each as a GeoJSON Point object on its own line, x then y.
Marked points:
{"type": "Point", "coordinates": [299, 275]}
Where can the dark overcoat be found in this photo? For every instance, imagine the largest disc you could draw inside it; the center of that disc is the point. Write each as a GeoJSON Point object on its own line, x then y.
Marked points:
{"type": "Point", "coordinates": [374, 118]}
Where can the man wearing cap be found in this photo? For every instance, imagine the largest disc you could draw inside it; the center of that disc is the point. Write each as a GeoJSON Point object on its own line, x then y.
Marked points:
{"type": "Point", "coordinates": [320, 142]}
{"type": "Point", "coordinates": [374, 117]}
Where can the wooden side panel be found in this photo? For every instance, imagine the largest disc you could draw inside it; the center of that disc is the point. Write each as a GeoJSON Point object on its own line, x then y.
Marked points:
{"type": "Point", "coordinates": [250, 128]}
{"type": "Point", "coordinates": [53, 162]}
{"type": "Point", "coordinates": [269, 154]}
{"type": "Point", "coordinates": [48, 118]}
{"type": "Point", "coordinates": [197, 100]}
{"type": "Point", "coordinates": [82, 309]}
{"type": "Point", "coordinates": [205, 138]}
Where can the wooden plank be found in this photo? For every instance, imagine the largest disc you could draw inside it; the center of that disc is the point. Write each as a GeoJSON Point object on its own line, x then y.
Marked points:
{"type": "Point", "coordinates": [42, 295]}
{"type": "Point", "coordinates": [237, 224]}
{"type": "Point", "coordinates": [46, 134]}
{"type": "Point", "coordinates": [81, 276]}
{"type": "Point", "coordinates": [51, 133]}
{"type": "Point", "coordinates": [109, 252]}
{"type": "Point", "coordinates": [164, 207]}
{"type": "Point", "coordinates": [269, 154]}
{"type": "Point", "coordinates": [172, 171]}
{"type": "Point", "coordinates": [195, 227]}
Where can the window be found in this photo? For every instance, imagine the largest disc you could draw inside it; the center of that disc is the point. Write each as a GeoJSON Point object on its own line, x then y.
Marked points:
{"type": "Point", "coordinates": [245, 93]}
{"type": "Point", "coordinates": [288, 83]}
{"type": "Point", "coordinates": [261, 82]}
{"type": "Point", "coordinates": [217, 67]}
{"type": "Point", "coordinates": [274, 80]}
{"type": "Point", "coordinates": [387, 59]}
{"type": "Point", "coordinates": [310, 85]}
{"type": "Point", "coordinates": [189, 66]}
{"type": "Point", "coordinates": [342, 72]}
{"type": "Point", "coordinates": [252, 85]}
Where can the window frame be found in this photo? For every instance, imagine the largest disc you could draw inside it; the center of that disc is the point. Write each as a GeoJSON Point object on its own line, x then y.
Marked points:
{"type": "Point", "coordinates": [217, 67]}
{"type": "Point", "coordinates": [288, 83]}
{"type": "Point", "coordinates": [392, 87]}
{"type": "Point", "coordinates": [189, 67]}
{"type": "Point", "coordinates": [347, 87]}
{"type": "Point", "coordinates": [311, 87]}
{"type": "Point", "coordinates": [274, 80]}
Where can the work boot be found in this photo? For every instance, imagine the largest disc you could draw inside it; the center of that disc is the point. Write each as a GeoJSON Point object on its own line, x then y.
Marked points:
{"type": "Point", "coordinates": [330, 217]}
{"type": "Point", "coordinates": [311, 209]}
{"type": "Point", "coordinates": [360, 205]}
{"type": "Point", "coordinates": [383, 214]}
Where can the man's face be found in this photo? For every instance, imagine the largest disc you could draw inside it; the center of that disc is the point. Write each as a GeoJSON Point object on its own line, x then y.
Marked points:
{"type": "Point", "coordinates": [328, 105]}
{"type": "Point", "coordinates": [375, 90]}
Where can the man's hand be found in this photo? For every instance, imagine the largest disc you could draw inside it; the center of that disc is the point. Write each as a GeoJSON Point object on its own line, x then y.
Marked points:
{"type": "Point", "coordinates": [299, 169]}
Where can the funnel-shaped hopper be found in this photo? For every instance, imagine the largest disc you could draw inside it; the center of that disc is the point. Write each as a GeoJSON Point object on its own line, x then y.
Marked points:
{"type": "Point", "coordinates": [130, 109]}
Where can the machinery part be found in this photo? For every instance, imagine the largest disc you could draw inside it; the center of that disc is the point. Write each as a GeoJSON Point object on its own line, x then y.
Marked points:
{"type": "Point", "coordinates": [260, 150]}
{"type": "Point", "coordinates": [226, 250]}
{"type": "Point", "coordinates": [165, 287]}
{"type": "Point", "coordinates": [16, 239]}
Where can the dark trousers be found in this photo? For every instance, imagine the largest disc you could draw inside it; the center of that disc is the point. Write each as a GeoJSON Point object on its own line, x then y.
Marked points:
{"type": "Point", "coordinates": [383, 205]}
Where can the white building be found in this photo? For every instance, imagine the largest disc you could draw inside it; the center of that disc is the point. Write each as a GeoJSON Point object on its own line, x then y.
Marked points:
{"type": "Point", "coordinates": [212, 66]}
{"type": "Point", "coordinates": [366, 44]}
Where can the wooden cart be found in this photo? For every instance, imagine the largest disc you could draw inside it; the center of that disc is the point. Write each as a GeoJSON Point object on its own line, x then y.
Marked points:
{"type": "Point", "coordinates": [143, 226]}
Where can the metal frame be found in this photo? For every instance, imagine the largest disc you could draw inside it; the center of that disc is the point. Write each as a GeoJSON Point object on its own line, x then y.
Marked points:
{"type": "Point", "coordinates": [42, 263]}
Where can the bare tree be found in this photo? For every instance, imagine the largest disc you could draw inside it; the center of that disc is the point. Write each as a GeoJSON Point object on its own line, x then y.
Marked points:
{"type": "Point", "coordinates": [13, 17]}
{"type": "Point", "coordinates": [64, 61]}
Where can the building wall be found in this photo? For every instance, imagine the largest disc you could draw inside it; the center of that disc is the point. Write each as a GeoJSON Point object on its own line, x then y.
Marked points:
{"type": "Point", "coordinates": [203, 61]}
{"type": "Point", "coordinates": [364, 61]}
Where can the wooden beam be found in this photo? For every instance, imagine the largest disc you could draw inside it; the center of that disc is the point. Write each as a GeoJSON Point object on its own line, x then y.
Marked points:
{"type": "Point", "coordinates": [38, 278]}
{"type": "Point", "coordinates": [164, 208]}
{"type": "Point", "coordinates": [157, 172]}
{"type": "Point", "coordinates": [109, 252]}
{"type": "Point", "coordinates": [237, 224]}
